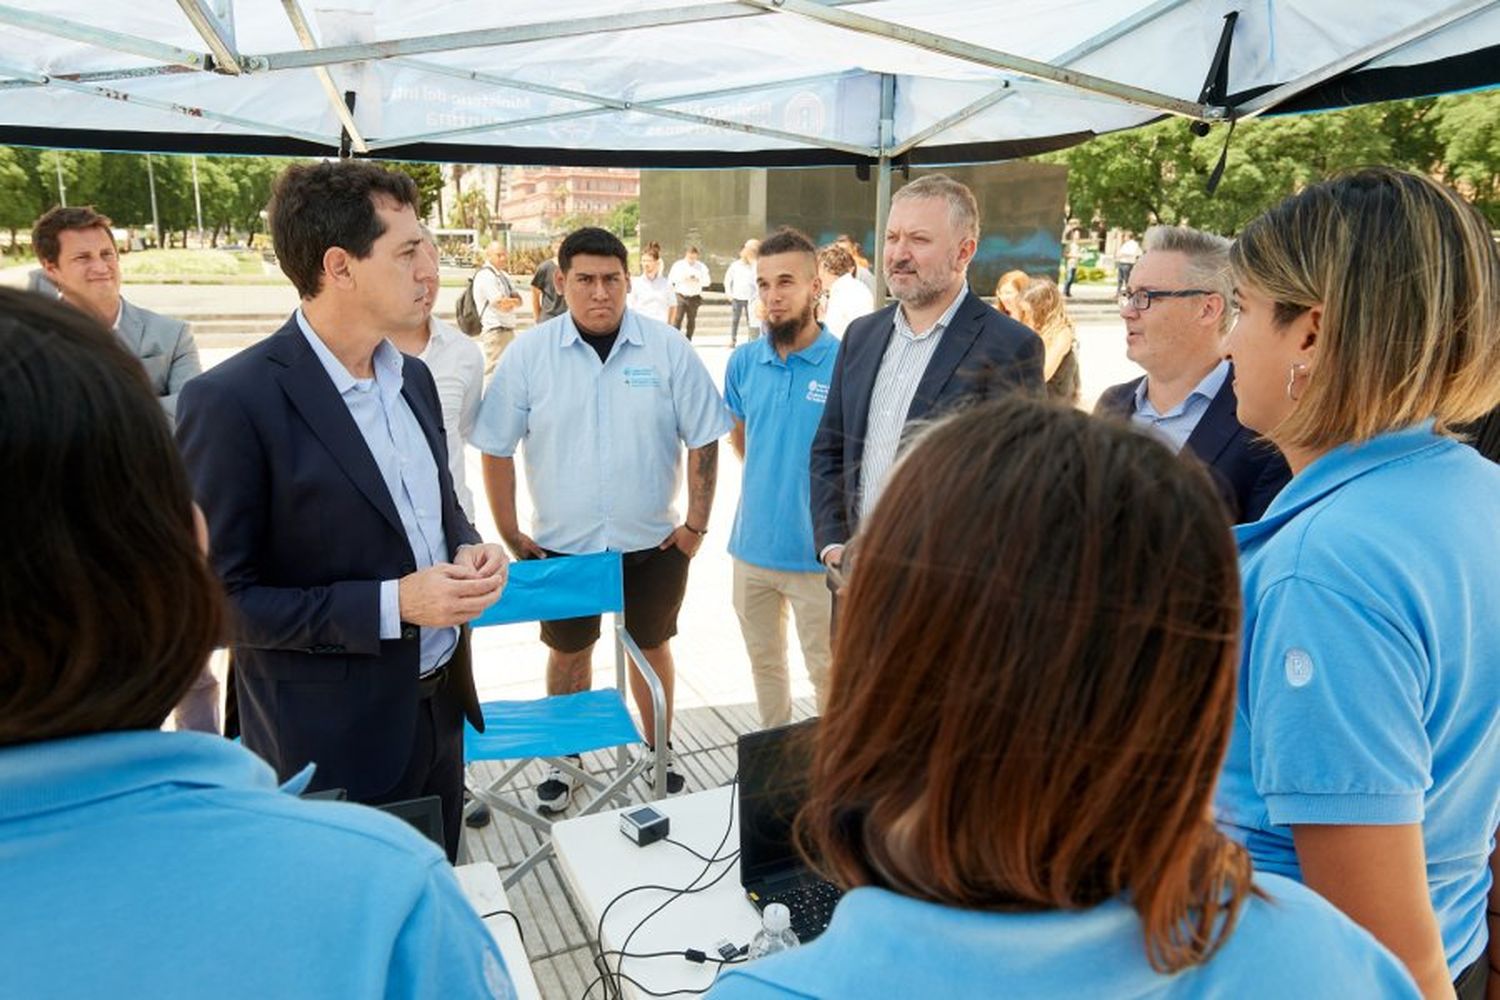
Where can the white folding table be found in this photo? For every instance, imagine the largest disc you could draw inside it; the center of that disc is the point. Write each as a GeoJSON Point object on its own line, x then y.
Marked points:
{"type": "Point", "coordinates": [482, 886]}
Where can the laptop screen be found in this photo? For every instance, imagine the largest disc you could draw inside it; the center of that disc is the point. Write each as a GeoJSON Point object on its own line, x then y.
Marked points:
{"type": "Point", "coordinates": [426, 814]}
{"type": "Point", "coordinates": [774, 766]}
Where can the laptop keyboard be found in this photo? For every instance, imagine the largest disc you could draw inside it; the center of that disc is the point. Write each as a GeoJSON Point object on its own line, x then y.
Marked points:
{"type": "Point", "coordinates": [810, 903]}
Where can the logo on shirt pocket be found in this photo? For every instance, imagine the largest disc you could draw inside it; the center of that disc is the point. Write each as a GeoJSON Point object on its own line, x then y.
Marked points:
{"type": "Point", "coordinates": [1299, 668]}
{"type": "Point", "coordinates": [642, 377]}
{"type": "Point", "coordinates": [817, 392]}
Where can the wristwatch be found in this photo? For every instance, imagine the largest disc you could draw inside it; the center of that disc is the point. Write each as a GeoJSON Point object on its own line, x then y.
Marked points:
{"type": "Point", "coordinates": [700, 534]}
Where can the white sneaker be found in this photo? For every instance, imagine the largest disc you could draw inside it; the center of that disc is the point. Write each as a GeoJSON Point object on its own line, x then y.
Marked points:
{"type": "Point", "coordinates": [554, 794]}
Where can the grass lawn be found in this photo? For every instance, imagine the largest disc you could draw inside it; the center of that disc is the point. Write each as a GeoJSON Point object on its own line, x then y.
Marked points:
{"type": "Point", "coordinates": [155, 264]}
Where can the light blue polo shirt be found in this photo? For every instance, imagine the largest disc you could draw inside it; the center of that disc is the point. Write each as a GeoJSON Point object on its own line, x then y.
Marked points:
{"type": "Point", "coordinates": [1293, 945]}
{"type": "Point", "coordinates": [1369, 686]}
{"type": "Point", "coordinates": [781, 402]}
{"type": "Point", "coordinates": [151, 864]}
{"type": "Point", "coordinates": [603, 442]}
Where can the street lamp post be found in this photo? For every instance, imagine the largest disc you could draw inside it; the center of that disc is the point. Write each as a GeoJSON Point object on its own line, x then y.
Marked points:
{"type": "Point", "coordinates": [198, 202]}
{"type": "Point", "coordinates": [155, 219]}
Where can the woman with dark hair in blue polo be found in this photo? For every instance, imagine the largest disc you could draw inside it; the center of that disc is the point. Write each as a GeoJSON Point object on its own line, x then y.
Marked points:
{"type": "Point", "coordinates": [1366, 755]}
{"type": "Point", "coordinates": [136, 862]}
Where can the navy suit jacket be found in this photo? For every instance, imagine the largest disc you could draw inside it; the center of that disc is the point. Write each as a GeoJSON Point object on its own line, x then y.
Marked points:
{"type": "Point", "coordinates": [981, 355]}
{"type": "Point", "coordinates": [1247, 470]}
{"type": "Point", "coordinates": [302, 531]}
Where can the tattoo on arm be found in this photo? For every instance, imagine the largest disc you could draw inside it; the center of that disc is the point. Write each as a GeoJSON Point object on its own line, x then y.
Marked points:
{"type": "Point", "coordinates": [702, 479]}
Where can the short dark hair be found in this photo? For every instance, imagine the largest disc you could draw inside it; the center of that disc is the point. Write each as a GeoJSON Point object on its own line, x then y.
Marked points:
{"type": "Point", "coordinates": [315, 206]}
{"type": "Point", "coordinates": [1047, 737]}
{"type": "Point", "coordinates": [108, 606]}
{"type": "Point", "coordinates": [787, 240]}
{"type": "Point", "coordinates": [593, 242]}
{"type": "Point", "coordinates": [46, 234]}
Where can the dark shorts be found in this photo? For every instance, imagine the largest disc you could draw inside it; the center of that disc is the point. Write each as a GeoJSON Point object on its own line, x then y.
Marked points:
{"type": "Point", "coordinates": [655, 580]}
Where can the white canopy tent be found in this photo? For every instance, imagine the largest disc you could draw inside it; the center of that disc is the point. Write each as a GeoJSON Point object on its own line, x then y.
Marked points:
{"type": "Point", "coordinates": [736, 83]}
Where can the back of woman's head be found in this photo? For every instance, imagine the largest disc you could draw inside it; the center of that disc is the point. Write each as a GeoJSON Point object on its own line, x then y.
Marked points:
{"type": "Point", "coordinates": [1033, 682]}
{"type": "Point", "coordinates": [107, 605]}
{"type": "Point", "coordinates": [1408, 277]}
{"type": "Point", "coordinates": [1043, 307]}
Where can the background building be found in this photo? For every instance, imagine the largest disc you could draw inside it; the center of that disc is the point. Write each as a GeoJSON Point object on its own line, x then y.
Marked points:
{"type": "Point", "coordinates": [548, 199]}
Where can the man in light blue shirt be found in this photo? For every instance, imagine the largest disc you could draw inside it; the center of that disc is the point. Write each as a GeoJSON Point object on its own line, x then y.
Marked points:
{"type": "Point", "coordinates": [776, 387]}
{"type": "Point", "coordinates": [604, 401]}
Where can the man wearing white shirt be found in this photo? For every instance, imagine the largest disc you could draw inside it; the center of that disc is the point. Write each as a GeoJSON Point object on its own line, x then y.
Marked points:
{"type": "Point", "coordinates": [497, 300]}
{"type": "Point", "coordinates": [602, 401]}
{"type": "Point", "coordinates": [848, 298]}
{"type": "Point", "coordinates": [458, 368]}
{"type": "Point", "coordinates": [650, 292]}
{"type": "Point", "coordinates": [689, 276]}
{"type": "Point", "coordinates": [739, 285]}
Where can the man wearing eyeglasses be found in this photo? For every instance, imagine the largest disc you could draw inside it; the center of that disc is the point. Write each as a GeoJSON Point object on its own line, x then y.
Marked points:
{"type": "Point", "coordinates": [1177, 312]}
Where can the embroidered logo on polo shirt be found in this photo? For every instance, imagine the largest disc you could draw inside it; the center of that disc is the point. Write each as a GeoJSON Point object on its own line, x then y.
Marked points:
{"type": "Point", "coordinates": [817, 392]}
{"type": "Point", "coordinates": [642, 377]}
{"type": "Point", "coordinates": [1299, 668]}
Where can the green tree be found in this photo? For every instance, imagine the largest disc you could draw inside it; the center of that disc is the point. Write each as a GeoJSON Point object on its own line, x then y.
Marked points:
{"type": "Point", "coordinates": [1468, 127]}
{"type": "Point", "coordinates": [429, 180]}
{"type": "Point", "coordinates": [625, 220]}
{"type": "Point", "coordinates": [19, 201]}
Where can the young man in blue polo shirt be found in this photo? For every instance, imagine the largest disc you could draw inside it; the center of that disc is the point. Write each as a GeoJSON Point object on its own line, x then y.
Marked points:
{"type": "Point", "coordinates": [776, 387]}
{"type": "Point", "coordinates": [604, 400]}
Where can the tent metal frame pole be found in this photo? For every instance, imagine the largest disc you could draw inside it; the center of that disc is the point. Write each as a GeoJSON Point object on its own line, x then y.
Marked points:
{"type": "Point", "coordinates": [491, 37]}
{"type": "Point", "coordinates": [60, 27]}
{"type": "Point", "coordinates": [645, 107]}
{"type": "Point", "coordinates": [202, 114]}
{"type": "Point", "coordinates": [103, 76]}
{"type": "Point", "coordinates": [341, 110]}
{"type": "Point", "coordinates": [994, 59]}
{"type": "Point", "coordinates": [883, 182]}
{"type": "Point", "coordinates": [1089, 46]}
{"type": "Point", "coordinates": [218, 36]}
{"type": "Point", "coordinates": [1436, 22]}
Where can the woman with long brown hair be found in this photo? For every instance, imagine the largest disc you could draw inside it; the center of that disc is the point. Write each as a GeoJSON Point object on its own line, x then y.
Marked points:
{"type": "Point", "coordinates": [1031, 694]}
{"type": "Point", "coordinates": [1042, 308]}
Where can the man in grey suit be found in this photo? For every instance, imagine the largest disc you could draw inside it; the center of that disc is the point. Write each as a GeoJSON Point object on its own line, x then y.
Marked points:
{"type": "Point", "coordinates": [78, 257]}
{"type": "Point", "coordinates": [77, 253]}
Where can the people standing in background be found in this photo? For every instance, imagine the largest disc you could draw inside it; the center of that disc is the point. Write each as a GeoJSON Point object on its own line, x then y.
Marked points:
{"type": "Point", "coordinates": [1008, 292]}
{"type": "Point", "coordinates": [1072, 255]}
{"type": "Point", "coordinates": [689, 277]}
{"type": "Point", "coordinates": [1125, 258]}
{"type": "Point", "coordinates": [457, 366]}
{"type": "Point", "coordinates": [776, 387]}
{"type": "Point", "coordinates": [76, 249]}
{"type": "Point", "coordinates": [650, 293]}
{"type": "Point", "coordinates": [861, 262]}
{"type": "Point", "coordinates": [546, 299]}
{"type": "Point", "coordinates": [847, 299]}
{"type": "Point", "coordinates": [1042, 308]}
{"type": "Point", "coordinates": [497, 300]}
{"type": "Point", "coordinates": [739, 285]}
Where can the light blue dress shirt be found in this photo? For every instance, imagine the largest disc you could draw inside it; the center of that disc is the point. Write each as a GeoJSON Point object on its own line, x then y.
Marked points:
{"type": "Point", "coordinates": [1177, 424]}
{"type": "Point", "coordinates": [169, 865]}
{"type": "Point", "coordinates": [781, 402]}
{"type": "Point", "coordinates": [603, 441]}
{"type": "Point", "coordinates": [1291, 945]}
{"type": "Point", "coordinates": [1369, 683]}
{"type": "Point", "coordinates": [410, 473]}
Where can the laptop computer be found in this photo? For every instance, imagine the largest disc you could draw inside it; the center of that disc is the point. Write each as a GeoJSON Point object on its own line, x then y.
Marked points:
{"type": "Point", "coordinates": [774, 766]}
{"type": "Point", "coordinates": [426, 814]}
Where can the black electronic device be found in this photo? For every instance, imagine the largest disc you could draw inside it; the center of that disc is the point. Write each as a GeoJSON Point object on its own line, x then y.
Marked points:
{"type": "Point", "coordinates": [644, 826]}
{"type": "Point", "coordinates": [773, 767]}
{"type": "Point", "coordinates": [426, 814]}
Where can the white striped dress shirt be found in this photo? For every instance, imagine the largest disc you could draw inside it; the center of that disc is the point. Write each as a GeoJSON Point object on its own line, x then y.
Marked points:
{"type": "Point", "coordinates": [901, 369]}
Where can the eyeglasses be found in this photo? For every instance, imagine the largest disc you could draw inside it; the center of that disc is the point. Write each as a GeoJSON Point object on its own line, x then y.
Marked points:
{"type": "Point", "coordinates": [1140, 300]}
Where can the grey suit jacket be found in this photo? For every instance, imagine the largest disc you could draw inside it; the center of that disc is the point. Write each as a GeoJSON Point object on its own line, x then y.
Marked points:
{"type": "Point", "coordinates": [165, 349]}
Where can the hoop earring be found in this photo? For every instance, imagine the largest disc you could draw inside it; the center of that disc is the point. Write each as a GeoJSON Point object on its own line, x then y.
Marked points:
{"type": "Point", "coordinates": [1295, 372]}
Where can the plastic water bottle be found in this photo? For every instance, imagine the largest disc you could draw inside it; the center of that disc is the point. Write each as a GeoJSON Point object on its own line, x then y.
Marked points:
{"type": "Point", "coordinates": [775, 932]}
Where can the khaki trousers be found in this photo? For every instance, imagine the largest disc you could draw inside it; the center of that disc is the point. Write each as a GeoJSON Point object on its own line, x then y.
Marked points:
{"type": "Point", "coordinates": [494, 341]}
{"type": "Point", "coordinates": [761, 599]}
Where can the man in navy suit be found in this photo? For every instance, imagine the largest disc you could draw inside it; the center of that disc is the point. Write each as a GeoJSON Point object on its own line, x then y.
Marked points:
{"type": "Point", "coordinates": [1176, 313]}
{"type": "Point", "coordinates": [319, 460]}
{"type": "Point", "coordinates": [939, 346]}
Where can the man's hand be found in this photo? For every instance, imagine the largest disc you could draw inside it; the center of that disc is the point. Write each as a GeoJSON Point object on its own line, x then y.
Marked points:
{"type": "Point", "coordinates": [446, 594]}
{"type": "Point", "coordinates": [486, 559]}
{"type": "Point", "coordinates": [522, 546]}
{"type": "Point", "coordinates": [833, 561]}
{"type": "Point", "coordinates": [685, 538]}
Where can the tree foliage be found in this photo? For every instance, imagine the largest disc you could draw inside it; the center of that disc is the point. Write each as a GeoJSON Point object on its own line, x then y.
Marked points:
{"type": "Point", "coordinates": [1159, 174]}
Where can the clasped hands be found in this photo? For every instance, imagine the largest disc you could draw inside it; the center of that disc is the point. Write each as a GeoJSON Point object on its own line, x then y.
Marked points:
{"type": "Point", "coordinates": [456, 592]}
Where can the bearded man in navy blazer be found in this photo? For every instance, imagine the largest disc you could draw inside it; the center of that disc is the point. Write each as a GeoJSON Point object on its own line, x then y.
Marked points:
{"type": "Point", "coordinates": [1177, 313]}
{"type": "Point", "coordinates": [939, 346]}
{"type": "Point", "coordinates": [318, 457]}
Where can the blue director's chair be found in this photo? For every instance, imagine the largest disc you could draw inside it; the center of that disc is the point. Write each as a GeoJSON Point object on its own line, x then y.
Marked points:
{"type": "Point", "coordinates": [557, 726]}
